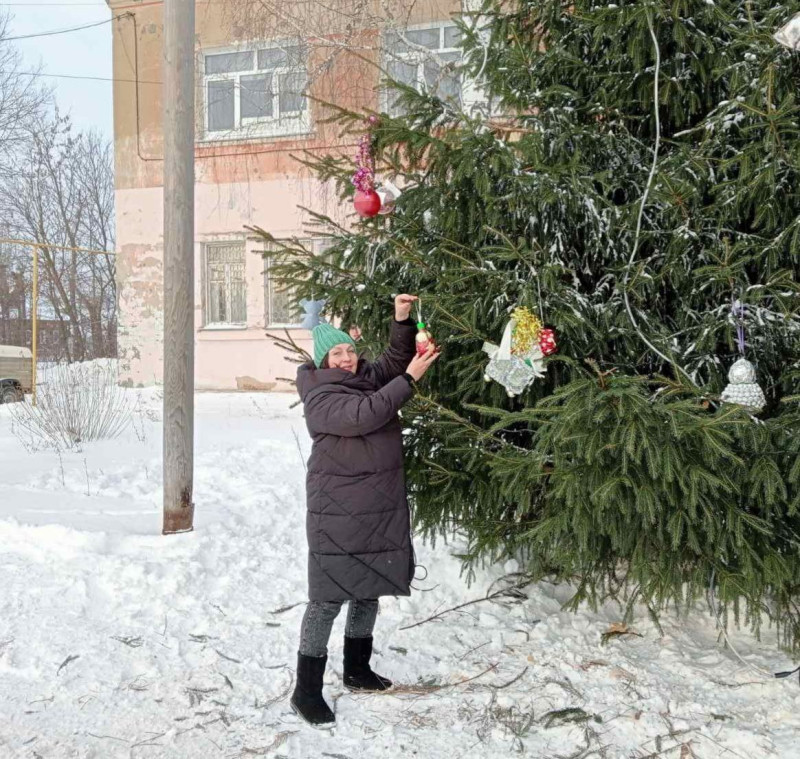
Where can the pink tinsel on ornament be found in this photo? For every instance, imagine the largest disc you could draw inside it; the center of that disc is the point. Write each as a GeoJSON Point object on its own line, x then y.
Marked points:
{"type": "Point", "coordinates": [364, 177]}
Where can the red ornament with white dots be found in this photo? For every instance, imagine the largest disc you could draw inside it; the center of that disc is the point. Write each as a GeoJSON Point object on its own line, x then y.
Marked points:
{"type": "Point", "coordinates": [547, 341]}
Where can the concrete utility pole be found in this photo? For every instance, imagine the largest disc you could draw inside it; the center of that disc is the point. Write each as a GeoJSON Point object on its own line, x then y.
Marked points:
{"type": "Point", "coordinates": [178, 265]}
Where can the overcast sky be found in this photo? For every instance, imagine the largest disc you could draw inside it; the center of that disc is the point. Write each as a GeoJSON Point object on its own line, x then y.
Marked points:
{"type": "Point", "coordinates": [80, 53]}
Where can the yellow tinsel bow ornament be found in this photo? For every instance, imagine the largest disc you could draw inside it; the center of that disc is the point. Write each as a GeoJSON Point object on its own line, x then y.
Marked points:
{"type": "Point", "coordinates": [527, 329]}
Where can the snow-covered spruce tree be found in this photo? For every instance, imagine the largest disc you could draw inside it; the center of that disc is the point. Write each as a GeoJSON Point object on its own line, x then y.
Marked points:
{"type": "Point", "coordinates": [621, 470]}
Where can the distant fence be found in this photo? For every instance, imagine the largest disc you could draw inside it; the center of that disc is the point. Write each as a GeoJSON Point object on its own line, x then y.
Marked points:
{"type": "Point", "coordinates": [59, 301]}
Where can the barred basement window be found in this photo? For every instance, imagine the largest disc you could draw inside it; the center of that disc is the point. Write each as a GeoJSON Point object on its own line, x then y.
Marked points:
{"type": "Point", "coordinates": [226, 286]}
{"type": "Point", "coordinates": [281, 305]}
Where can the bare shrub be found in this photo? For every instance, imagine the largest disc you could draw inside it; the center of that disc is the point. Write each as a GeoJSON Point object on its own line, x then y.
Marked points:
{"type": "Point", "coordinates": [75, 403]}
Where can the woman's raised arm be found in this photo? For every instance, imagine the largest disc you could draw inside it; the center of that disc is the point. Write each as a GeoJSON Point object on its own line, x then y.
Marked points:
{"type": "Point", "coordinates": [402, 348]}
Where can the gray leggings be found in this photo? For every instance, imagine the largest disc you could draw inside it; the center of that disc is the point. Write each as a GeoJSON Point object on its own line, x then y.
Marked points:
{"type": "Point", "coordinates": [318, 621]}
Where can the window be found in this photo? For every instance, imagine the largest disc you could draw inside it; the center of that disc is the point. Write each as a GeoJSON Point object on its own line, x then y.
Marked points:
{"type": "Point", "coordinates": [226, 286]}
{"type": "Point", "coordinates": [281, 306]}
{"type": "Point", "coordinates": [257, 92]}
{"type": "Point", "coordinates": [425, 59]}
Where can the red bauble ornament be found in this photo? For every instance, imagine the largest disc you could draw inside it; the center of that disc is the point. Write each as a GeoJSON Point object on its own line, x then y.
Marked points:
{"type": "Point", "coordinates": [547, 341]}
{"type": "Point", "coordinates": [424, 339]}
{"type": "Point", "coordinates": [367, 204]}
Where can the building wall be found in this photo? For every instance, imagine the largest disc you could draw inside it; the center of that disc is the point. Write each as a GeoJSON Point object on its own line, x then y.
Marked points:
{"type": "Point", "coordinates": [224, 357]}
{"type": "Point", "coordinates": [238, 183]}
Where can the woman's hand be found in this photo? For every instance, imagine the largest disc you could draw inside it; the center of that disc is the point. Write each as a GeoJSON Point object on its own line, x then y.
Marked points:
{"type": "Point", "coordinates": [420, 364]}
{"type": "Point", "coordinates": [402, 306]}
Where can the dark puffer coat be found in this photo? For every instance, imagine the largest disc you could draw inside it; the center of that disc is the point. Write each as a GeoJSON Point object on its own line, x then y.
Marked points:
{"type": "Point", "coordinates": [358, 521]}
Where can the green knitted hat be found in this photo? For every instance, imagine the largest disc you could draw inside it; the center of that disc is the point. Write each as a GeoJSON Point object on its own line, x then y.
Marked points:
{"type": "Point", "coordinates": [326, 337]}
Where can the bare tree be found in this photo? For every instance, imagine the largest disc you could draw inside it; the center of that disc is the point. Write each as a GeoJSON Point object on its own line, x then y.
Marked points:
{"type": "Point", "coordinates": [96, 174]}
{"type": "Point", "coordinates": [60, 194]}
{"type": "Point", "coordinates": [22, 98]}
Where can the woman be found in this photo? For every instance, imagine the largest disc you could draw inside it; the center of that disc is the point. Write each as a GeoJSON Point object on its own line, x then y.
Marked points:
{"type": "Point", "coordinates": [357, 523]}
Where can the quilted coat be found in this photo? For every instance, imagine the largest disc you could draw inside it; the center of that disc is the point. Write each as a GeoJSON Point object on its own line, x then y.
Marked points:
{"type": "Point", "coordinates": [358, 521]}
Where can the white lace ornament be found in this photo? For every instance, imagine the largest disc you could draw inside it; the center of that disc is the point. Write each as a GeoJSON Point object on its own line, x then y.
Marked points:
{"type": "Point", "coordinates": [514, 373]}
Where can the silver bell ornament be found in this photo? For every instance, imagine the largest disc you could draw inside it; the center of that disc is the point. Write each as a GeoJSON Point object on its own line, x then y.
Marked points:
{"type": "Point", "coordinates": [742, 387]}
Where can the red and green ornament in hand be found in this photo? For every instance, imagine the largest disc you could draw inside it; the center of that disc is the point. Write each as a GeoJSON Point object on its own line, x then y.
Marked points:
{"type": "Point", "coordinates": [424, 339]}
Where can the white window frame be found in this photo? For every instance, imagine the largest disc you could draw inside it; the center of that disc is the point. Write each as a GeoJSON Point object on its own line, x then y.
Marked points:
{"type": "Point", "coordinates": [418, 56]}
{"type": "Point", "coordinates": [318, 245]}
{"type": "Point", "coordinates": [207, 324]}
{"type": "Point", "coordinates": [277, 125]}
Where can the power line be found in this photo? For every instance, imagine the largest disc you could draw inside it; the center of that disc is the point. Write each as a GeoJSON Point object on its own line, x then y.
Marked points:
{"type": "Point", "coordinates": [236, 85]}
{"type": "Point", "coordinates": [226, 154]}
{"type": "Point", "coordinates": [61, 31]}
{"type": "Point", "coordinates": [138, 81]}
{"type": "Point", "coordinates": [76, 76]}
{"type": "Point", "coordinates": [232, 152]}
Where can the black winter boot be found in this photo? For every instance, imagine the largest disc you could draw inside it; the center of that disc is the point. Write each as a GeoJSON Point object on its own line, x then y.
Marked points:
{"type": "Point", "coordinates": [357, 673]}
{"type": "Point", "coordinates": [307, 700]}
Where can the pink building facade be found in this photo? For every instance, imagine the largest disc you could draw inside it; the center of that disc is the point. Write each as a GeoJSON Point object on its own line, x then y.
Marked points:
{"type": "Point", "coordinates": [236, 303]}
{"type": "Point", "coordinates": [252, 117]}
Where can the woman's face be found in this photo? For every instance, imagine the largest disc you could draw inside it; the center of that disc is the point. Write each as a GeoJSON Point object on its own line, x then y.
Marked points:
{"type": "Point", "coordinates": [343, 356]}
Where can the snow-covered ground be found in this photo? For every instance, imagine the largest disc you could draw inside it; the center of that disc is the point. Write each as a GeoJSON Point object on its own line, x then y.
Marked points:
{"type": "Point", "coordinates": [118, 642]}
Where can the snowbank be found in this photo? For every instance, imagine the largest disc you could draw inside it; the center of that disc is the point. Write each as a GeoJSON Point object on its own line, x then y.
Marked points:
{"type": "Point", "coordinates": [118, 642]}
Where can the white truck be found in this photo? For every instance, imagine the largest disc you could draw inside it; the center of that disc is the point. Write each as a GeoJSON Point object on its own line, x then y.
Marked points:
{"type": "Point", "coordinates": [16, 373]}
